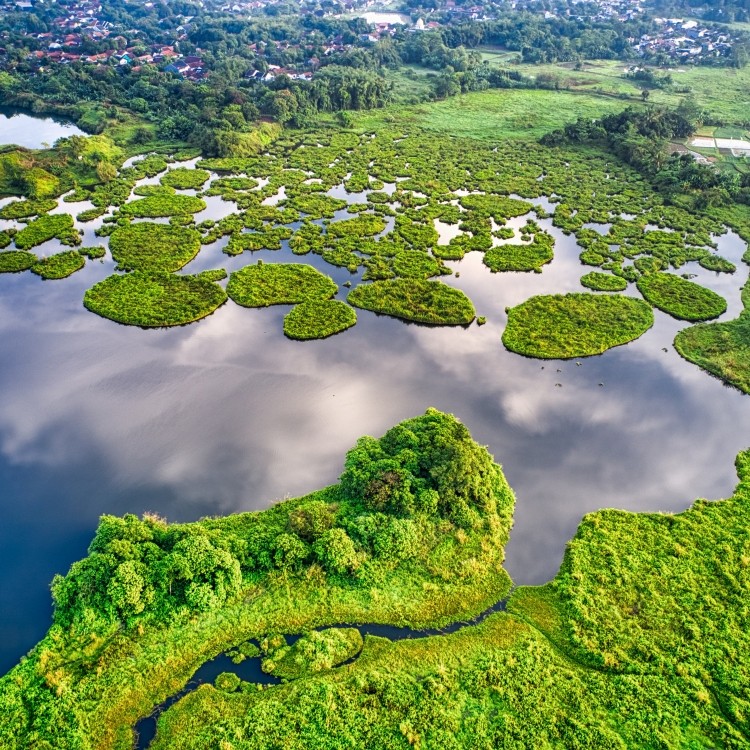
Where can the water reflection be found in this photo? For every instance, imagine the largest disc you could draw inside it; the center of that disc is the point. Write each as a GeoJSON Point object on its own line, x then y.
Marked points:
{"type": "Point", "coordinates": [228, 415]}
{"type": "Point", "coordinates": [21, 129]}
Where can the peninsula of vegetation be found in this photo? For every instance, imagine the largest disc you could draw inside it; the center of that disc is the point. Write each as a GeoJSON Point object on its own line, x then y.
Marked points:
{"type": "Point", "coordinates": [412, 535]}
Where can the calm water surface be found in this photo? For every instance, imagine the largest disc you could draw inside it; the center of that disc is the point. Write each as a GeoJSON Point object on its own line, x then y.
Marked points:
{"type": "Point", "coordinates": [33, 132]}
{"type": "Point", "coordinates": [228, 415]}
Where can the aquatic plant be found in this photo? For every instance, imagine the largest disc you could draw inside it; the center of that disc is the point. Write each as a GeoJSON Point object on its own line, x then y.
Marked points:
{"type": "Point", "coordinates": [147, 246]}
{"type": "Point", "coordinates": [603, 282]}
{"type": "Point", "coordinates": [681, 298]}
{"type": "Point", "coordinates": [263, 284]}
{"type": "Point", "coordinates": [59, 265]}
{"type": "Point", "coordinates": [318, 319]}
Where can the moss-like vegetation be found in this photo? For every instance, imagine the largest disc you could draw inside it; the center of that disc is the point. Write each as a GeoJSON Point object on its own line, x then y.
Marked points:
{"type": "Point", "coordinates": [416, 300]}
{"type": "Point", "coordinates": [60, 265]}
{"type": "Point", "coordinates": [264, 284]}
{"type": "Point", "coordinates": [313, 652]}
{"type": "Point", "coordinates": [514, 257]}
{"type": "Point", "coordinates": [147, 246]}
{"type": "Point", "coordinates": [363, 225]}
{"type": "Point", "coordinates": [47, 227]}
{"type": "Point", "coordinates": [97, 251]}
{"type": "Point", "coordinates": [415, 264]}
{"type": "Point", "coordinates": [316, 206]}
{"type": "Point", "coordinates": [154, 299]}
{"type": "Point", "coordinates": [604, 282]}
{"type": "Point", "coordinates": [717, 263]}
{"type": "Point", "coordinates": [185, 179]}
{"type": "Point", "coordinates": [723, 349]}
{"type": "Point", "coordinates": [681, 298]}
{"type": "Point", "coordinates": [269, 239]}
{"type": "Point", "coordinates": [13, 261]}
{"type": "Point", "coordinates": [318, 319]}
{"type": "Point", "coordinates": [160, 205]}
{"type": "Point", "coordinates": [25, 208]}
{"type": "Point", "coordinates": [562, 326]}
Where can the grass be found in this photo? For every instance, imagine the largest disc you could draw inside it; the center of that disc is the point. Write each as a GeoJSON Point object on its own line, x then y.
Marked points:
{"type": "Point", "coordinates": [60, 265]}
{"type": "Point", "coordinates": [183, 178]}
{"type": "Point", "coordinates": [154, 299]}
{"type": "Point", "coordinates": [563, 326]}
{"type": "Point", "coordinates": [264, 284]}
{"type": "Point", "coordinates": [45, 228]}
{"type": "Point", "coordinates": [318, 319]}
{"type": "Point", "coordinates": [723, 349]}
{"type": "Point", "coordinates": [13, 261]}
{"type": "Point", "coordinates": [416, 300]}
{"type": "Point", "coordinates": [680, 298]}
{"type": "Point", "coordinates": [148, 246]}
{"type": "Point", "coordinates": [156, 206]}
{"type": "Point", "coordinates": [25, 208]}
{"type": "Point", "coordinates": [415, 264]}
{"type": "Point", "coordinates": [529, 257]}
{"type": "Point", "coordinates": [603, 282]}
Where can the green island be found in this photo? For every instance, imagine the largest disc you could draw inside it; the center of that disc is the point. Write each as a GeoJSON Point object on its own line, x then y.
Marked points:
{"type": "Point", "coordinates": [183, 178]}
{"type": "Point", "coordinates": [415, 300]}
{"type": "Point", "coordinates": [60, 265]}
{"type": "Point", "coordinates": [153, 299]}
{"type": "Point", "coordinates": [262, 284]}
{"type": "Point", "coordinates": [13, 261]}
{"type": "Point", "coordinates": [680, 298]}
{"type": "Point", "coordinates": [562, 326]}
{"type": "Point", "coordinates": [514, 257]}
{"type": "Point", "coordinates": [412, 535]}
{"type": "Point", "coordinates": [162, 205]}
{"type": "Point", "coordinates": [147, 246]}
{"type": "Point", "coordinates": [604, 282]}
{"type": "Point", "coordinates": [318, 319]}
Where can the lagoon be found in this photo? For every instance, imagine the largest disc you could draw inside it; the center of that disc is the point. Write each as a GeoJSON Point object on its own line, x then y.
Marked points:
{"type": "Point", "coordinates": [28, 131]}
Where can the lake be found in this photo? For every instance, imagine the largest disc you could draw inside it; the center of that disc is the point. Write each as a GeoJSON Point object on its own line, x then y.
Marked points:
{"type": "Point", "coordinates": [28, 131]}
{"type": "Point", "coordinates": [228, 415]}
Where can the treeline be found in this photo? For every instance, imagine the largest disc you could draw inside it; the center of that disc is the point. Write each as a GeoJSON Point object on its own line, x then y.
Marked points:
{"type": "Point", "coordinates": [640, 137]}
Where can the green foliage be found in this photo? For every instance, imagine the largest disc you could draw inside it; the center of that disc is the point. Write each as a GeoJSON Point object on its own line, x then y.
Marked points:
{"type": "Point", "coordinates": [364, 225]}
{"type": "Point", "coordinates": [60, 265]}
{"type": "Point", "coordinates": [415, 264]}
{"type": "Point", "coordinates": [318, 319]}
{"type": "Point", "coordinates": [155, 206]}
{"type": "Point", "coordinates": [154, 298]}
{"type": "Point", "coordinates": [22, 209]}
{"type": "Point", "coordinates": [316, 206]}
{"type": "Point", "coordinates": [680, 298]}
{"type": "Point", "coordinates": [148, 246]}
{"type": "Point", "coordinates": [427, 465]}
{"type": "Point", "coordinates": [314, 652]}
{"type": "Point", "coordinates": [269, 239]}
{"type": "Point", "coordinates": [562, 326]}
{"type": "Point", "coordinates": [723, 349]}
{"type": "Point", "coordinates": [93, 253]}
{"type": "Point", "coordinates": [603, 282]}
{"type": "Point", "coordinates": [264, 284]}
{"type": "Point", "coordinates": [90, 214]}
{"type": "Point", "coordinates": [227, 682]}
{"type": "Point", "coordinates": [499, 207]}
{"type": "Point", "coordinates": [47, 227]}
{"type": "Point", "coordinates": [414, 299]}
{"type": "Point", "coordinates": [185, 179]}
{"type": "Point", "coordinates": [717, 263]}
{"type": "Point", "coordinates": [13, 261]}
{"type": "Point", "coordinates": [512, 257]}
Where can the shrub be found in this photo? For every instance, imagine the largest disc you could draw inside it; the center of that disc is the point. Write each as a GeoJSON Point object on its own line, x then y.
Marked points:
{"type": "Point", "coordinates": [318, 319]}
{"type": "Point", "coordinates": [148, 246]}
{"type": "Point", "coordinates": [13, 261]}
{"type": "Point", "coordinates": [680, 298]}
{"type": "Point", "coordinates": [266, 284]}
{"type": "Point", "coordinates": [60, 265]}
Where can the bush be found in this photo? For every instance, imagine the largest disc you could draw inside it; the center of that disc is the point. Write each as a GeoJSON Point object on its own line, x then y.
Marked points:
{"type": "Point", "coordinates": [60, 265]}
{"type": "Point", "coordinates": [680, 298]}
{"type": "Point", "coordinates": [156, 206]}
{"type": "Point", "coordinates": [604, 282]}
{"type": "Point", "coordinates": [13, 261]}
{"type": "Point", "coordinates": [318, 319]}
{"type": "Point", "coordinates": [266, 284]}
{"type": "Point", "coordinates": [148, 246]}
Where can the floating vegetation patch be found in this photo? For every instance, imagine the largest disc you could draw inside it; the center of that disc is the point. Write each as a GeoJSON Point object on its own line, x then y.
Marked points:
{"type": "Point", "coordinates": [318, 319]}
{"type": "Point", "coordinates": [157, 206]}
{"type": "Point", "coordinates": [13, 261]}
{"type": "Point", "coordinates": [316, 206]}
{"type": "Point", "coordinates": [604, 282]}
{"type": "Point", "coordinates": [416, 300]}
{"type": "Point", "coordinates": [498, 207]}
{"type": "Point", "coordinates": [183, 178]}
{"type": "Point", "coordinates": [90, 214]}
{"type": "Point", "coordinates": [723, 349]}
{"type": "Point", "coordinates": [561, 326]}
{"type": "Point", "coordinates": [146, 190]}
{"type": "Point", "coordinates": [155, 298]}
{"type": "Point", "coordinates": [23, 209]}
{"type": "Point", "coordinates": [681, 298]}
{"type": "Point", "coordinates": [514, 257]}
{"type": "Point", "coordinates": [263, 284]}
{"type": "Point", "coordinates": [147, 246]}
{"type": "Point", "coordinates": [270, 239]}
{"type": "Point", "coordinates": [54, 226]}
{"type": "Point", "coordinates": [364, 225]}
{"type": "Point", "coordinates": [60, 265]}
{"type": "Point", "coordinates": [97, 251]}
{"type": "Point", "coordinates": [717, 263]}
{"type": "Point", "coordinates": [415, 264]}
